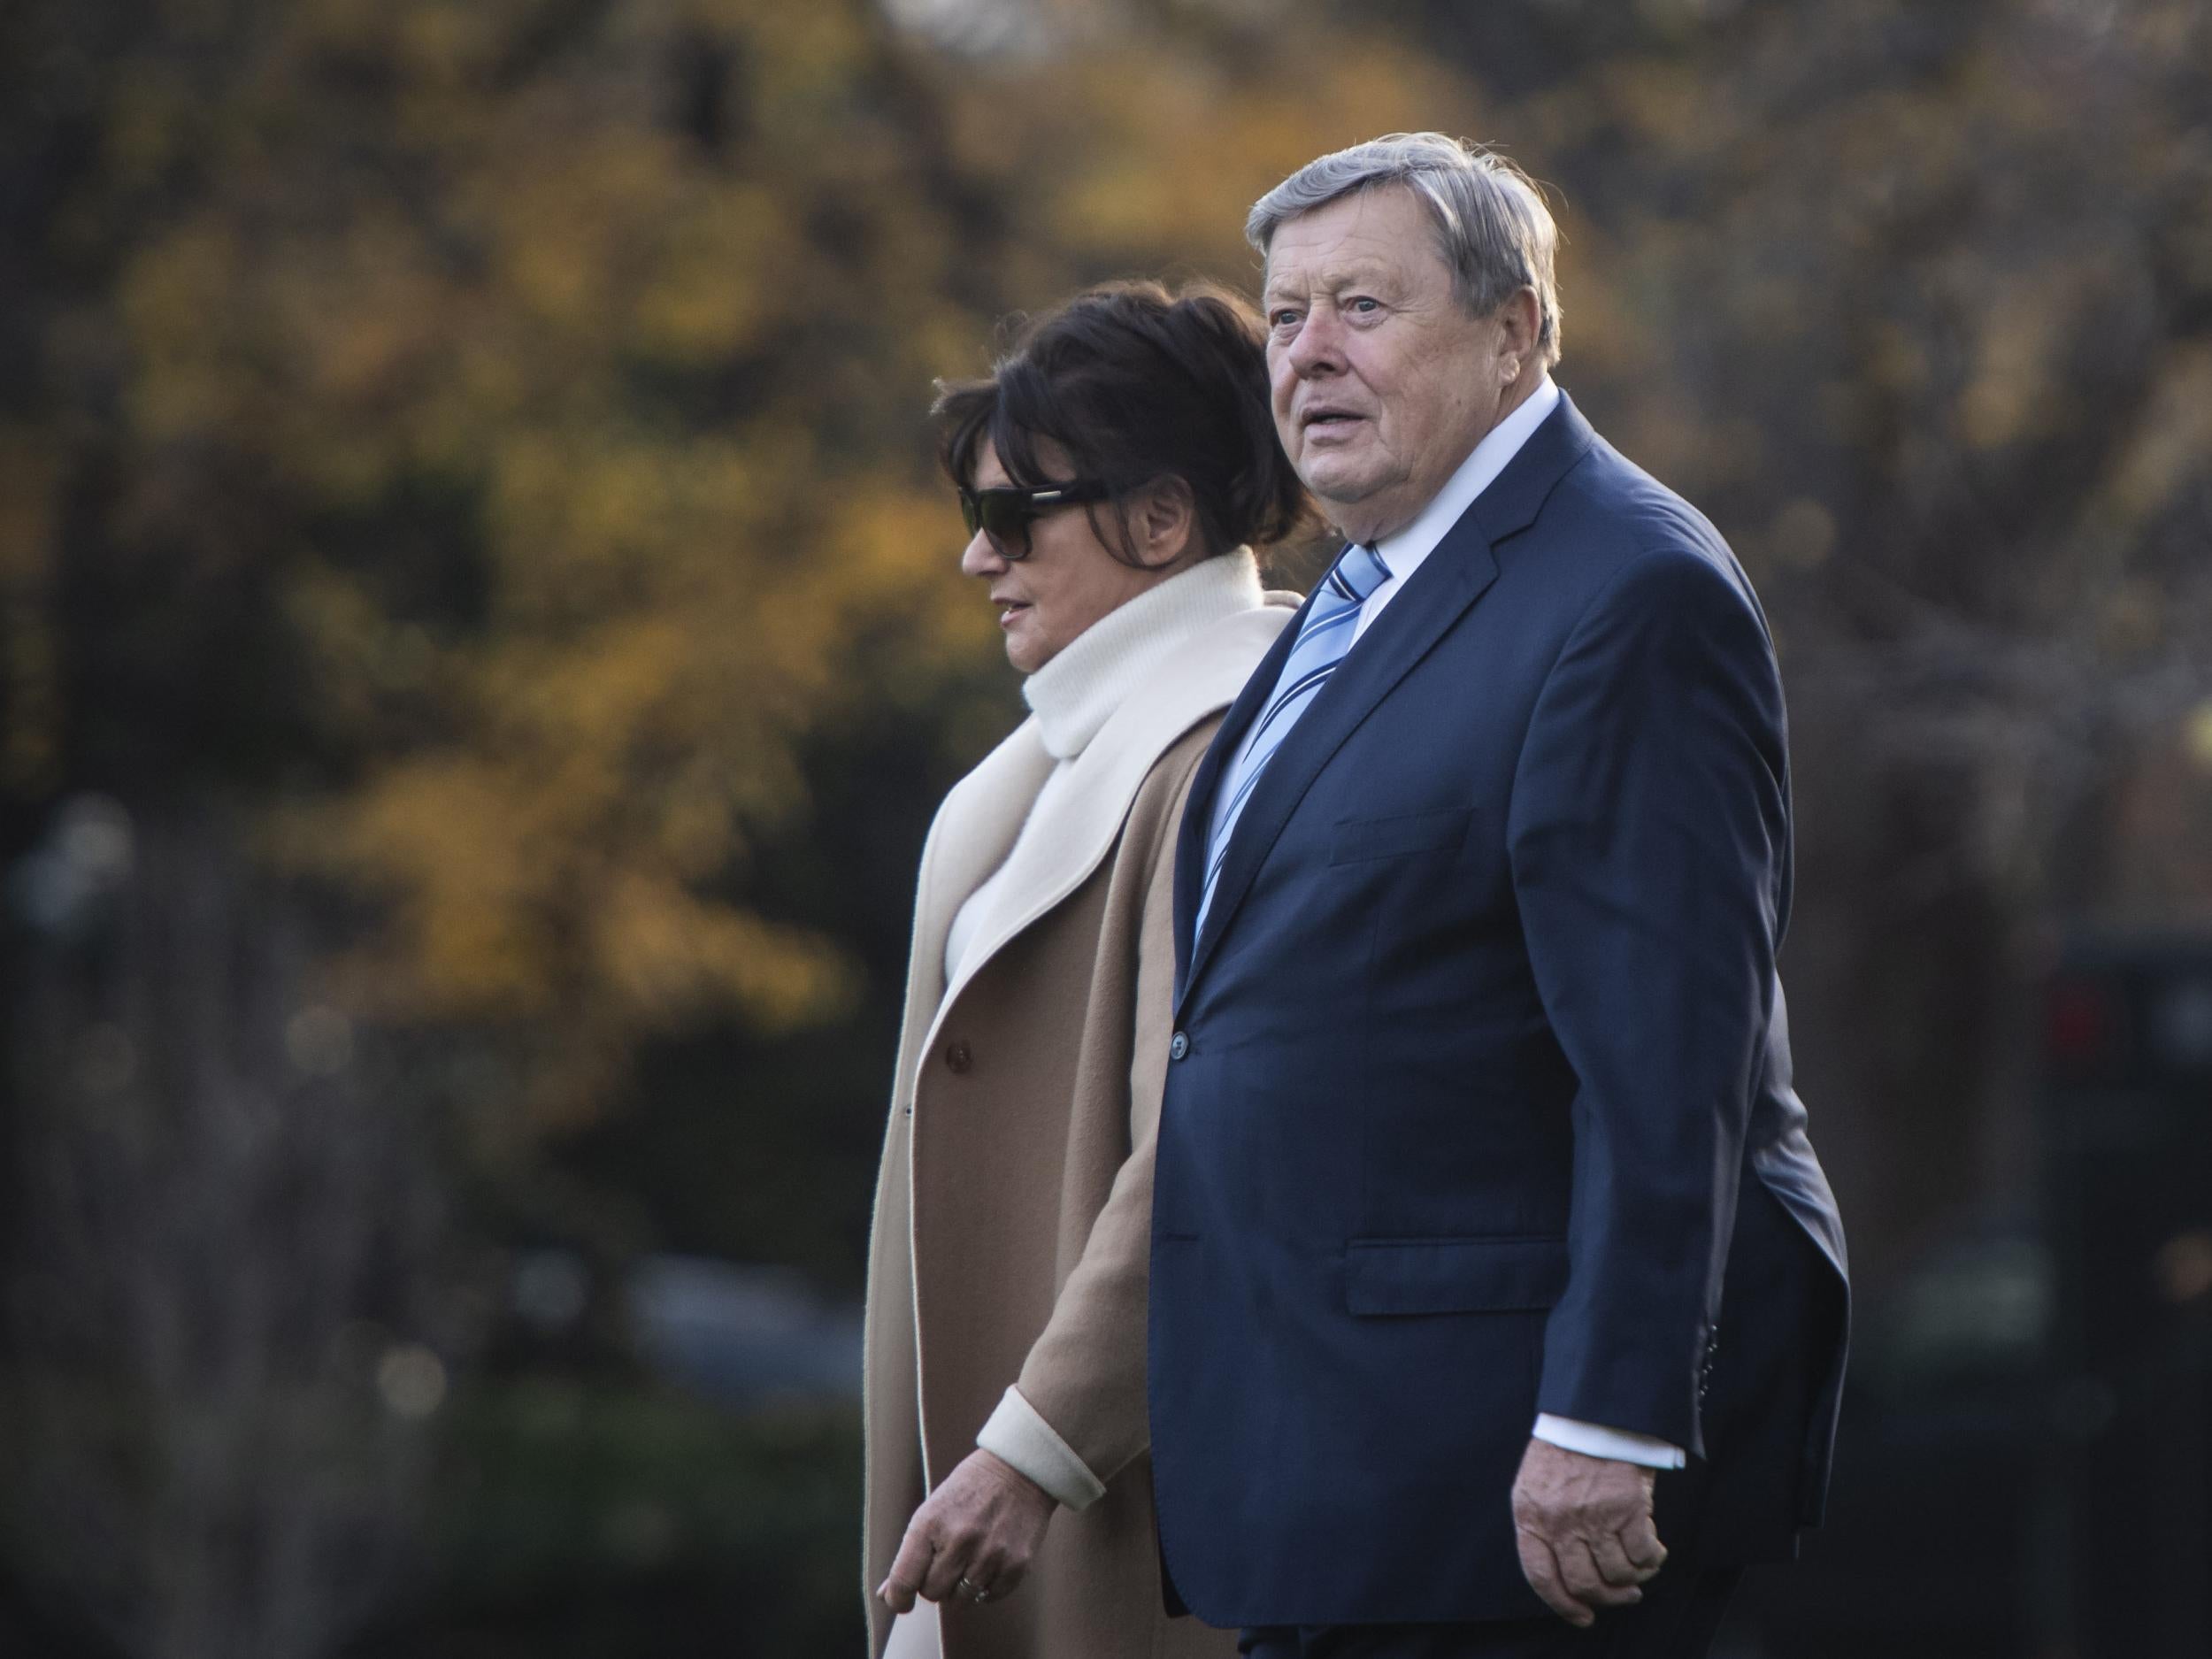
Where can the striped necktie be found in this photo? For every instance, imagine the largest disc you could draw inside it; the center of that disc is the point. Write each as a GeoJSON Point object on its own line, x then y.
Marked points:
{"type": "Point", "coordinates": [1331, 621]}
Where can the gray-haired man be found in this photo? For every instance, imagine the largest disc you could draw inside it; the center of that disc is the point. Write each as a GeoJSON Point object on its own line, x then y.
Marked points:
{"type": "Point", "coordinates": [1478, 1130]}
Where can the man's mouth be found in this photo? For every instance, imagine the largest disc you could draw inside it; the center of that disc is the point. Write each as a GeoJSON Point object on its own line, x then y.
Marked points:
{"type": "Point", "coordinates": [1330, 419]}
{"type": "Point", "coordinates": [1010, 608]}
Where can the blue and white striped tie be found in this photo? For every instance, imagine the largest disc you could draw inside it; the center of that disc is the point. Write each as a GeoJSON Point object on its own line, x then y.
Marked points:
{"type": "Point", "coordinates": [1326, 636]}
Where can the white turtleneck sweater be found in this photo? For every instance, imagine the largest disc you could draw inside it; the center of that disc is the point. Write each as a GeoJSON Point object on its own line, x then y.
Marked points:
{"type": "Point", "coordinates": [1075, 694]}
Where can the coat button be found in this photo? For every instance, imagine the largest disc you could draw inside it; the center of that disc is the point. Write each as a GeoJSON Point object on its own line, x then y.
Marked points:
{"type": "Point", "coordinates": [1180, 1047]}
{"type": "Point", "coordinates": [959, 1056]}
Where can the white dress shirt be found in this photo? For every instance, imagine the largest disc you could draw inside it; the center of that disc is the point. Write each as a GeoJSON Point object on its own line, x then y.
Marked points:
{"type": "Point", "coordinates": [1403, 551]}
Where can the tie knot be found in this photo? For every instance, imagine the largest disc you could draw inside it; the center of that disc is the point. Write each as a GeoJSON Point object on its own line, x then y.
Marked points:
{"type": "Point", "coordinates": [1362, 571]}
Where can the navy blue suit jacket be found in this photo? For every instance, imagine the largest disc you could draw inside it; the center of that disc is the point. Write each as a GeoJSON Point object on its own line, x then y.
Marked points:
{"type": "Point", "coordinates": [1482, 1102]}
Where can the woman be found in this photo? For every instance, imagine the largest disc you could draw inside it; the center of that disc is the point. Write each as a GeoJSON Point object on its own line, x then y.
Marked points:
{"type": "Point", "coordinates": [1114, 471]}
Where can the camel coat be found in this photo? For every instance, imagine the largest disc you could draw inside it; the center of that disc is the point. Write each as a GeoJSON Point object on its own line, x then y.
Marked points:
{"type": "Point", "coordinates": [1013, 1212]}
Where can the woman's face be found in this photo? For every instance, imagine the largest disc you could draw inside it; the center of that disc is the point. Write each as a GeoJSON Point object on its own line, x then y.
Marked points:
{"type": "Point", "coordinates": [1068, 581]}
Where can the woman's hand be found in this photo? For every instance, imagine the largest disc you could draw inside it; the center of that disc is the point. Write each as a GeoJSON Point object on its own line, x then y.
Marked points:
{"type": "Point", "coordinates": [974, 1538]}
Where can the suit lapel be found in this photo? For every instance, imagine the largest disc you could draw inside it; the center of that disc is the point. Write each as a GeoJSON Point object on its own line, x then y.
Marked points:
{"type": "Point", "coordinates": [1453, 578]}
{"type": "Point", "coordinates": [1447, 584]}
{"type": "Point", "coordinates": [1518, 494]}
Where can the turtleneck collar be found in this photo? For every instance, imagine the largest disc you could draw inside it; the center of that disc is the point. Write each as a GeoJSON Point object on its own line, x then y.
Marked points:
{"type": "Point", "coordinates": [1075, 694]}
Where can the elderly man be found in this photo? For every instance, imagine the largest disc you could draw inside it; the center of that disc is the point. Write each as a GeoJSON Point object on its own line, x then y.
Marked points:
{"type": "Point", "coordinates": [1483, 1199]}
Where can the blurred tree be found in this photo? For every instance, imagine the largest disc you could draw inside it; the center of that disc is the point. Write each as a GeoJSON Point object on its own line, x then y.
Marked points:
{"type": "Point", "coordinates": [483, 445]}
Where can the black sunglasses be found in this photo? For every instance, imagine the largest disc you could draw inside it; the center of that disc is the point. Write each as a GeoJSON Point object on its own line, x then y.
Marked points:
{"type": "Point", "coordinates": [1004, 514]}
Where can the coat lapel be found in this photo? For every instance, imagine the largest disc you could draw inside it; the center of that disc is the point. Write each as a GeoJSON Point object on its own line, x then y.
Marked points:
{"type": "Point", "coordinates": [1447, 584]}
{"type": "Point", "coordinates": [973, 831]}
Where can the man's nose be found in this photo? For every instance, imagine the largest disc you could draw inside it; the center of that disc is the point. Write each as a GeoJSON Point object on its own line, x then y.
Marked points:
{"type": "Point", "coordinates": [1319, 345]}
{"type": "Point", "coordinates": [980, 559]}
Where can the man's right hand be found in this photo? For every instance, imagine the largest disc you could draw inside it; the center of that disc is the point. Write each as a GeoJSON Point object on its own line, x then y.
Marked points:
{"type": "Point", "coordinates": [1585, 1531]}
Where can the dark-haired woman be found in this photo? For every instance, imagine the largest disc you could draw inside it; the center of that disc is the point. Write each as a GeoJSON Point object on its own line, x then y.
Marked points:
{"type": "Point", "coordinates": [1116, 470]}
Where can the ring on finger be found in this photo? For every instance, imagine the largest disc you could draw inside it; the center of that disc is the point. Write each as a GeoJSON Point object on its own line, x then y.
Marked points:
{"type": "Point", "coordinates": [976, 1593]}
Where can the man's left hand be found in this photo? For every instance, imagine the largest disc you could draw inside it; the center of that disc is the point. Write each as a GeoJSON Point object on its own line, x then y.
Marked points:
{"type": "Point", "coordinates": [1584, 1529]}
{"type": "Point", "coordinates": [973, 1539]}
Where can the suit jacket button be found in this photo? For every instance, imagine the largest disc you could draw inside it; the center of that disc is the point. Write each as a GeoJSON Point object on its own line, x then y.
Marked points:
{"type": "Point", "coordinates": [1177, 1048]}
{"type": "Point", "coordinates": [959, 1056]}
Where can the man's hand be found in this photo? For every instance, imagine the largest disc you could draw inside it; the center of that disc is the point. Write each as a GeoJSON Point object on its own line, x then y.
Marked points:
{"type": "Point", "coordinates": [973, 1539]}
{"type": "Point", "coordinates": [1584, 1526]}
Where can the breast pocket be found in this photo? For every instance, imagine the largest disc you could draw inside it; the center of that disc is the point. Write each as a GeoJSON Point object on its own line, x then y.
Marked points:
{"type": "Point", "coordinates": [1359, 839]}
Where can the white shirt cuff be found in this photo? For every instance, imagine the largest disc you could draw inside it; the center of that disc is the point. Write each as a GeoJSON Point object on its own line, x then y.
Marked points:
{"type": "Point", "coordinates": [1592, 1441]}
{"type": "Point", "coordinates": [1025, 1440]}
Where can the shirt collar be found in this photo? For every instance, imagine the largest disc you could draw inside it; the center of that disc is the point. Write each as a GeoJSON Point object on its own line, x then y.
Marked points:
{"type": "Point", "coordinates": [1404, 551]}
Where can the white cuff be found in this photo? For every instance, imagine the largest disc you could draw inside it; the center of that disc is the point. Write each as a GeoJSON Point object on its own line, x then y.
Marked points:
{"type": "Point", "coordinates": [1017, 1434]}
{"type": "Point", "coordinates": [1592, 1441]}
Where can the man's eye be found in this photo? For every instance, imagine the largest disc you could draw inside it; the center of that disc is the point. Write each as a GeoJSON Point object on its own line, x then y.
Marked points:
{"type": "Point", "coordinates": [1364, 305]}
{"type": "Point", "coordinates": [1284, 319]}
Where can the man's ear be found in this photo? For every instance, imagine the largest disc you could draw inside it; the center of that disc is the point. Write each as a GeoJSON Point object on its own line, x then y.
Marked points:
{"type": "Point", "coordinates": [1520, 323]}
{"type": "Point", "coordinates": [1165, 520]}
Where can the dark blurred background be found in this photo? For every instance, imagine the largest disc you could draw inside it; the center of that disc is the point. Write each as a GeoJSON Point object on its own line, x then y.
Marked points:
{"type": "Point", "coordinates": [480, 645]}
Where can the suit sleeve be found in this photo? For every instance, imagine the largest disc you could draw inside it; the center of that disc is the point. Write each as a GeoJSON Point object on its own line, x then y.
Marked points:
{"type": "Point", "coordinates": [1649, 840]}
{"type": "Point", "coordinates": [1084, 1379]}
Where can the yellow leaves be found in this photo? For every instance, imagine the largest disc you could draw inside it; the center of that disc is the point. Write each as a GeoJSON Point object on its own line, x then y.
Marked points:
{"type": "Point", "coordinates": [896, 554]}
{"type": "Point", "coordinates": [2197, 737]}
{"type": "Point", "coordinates": [1598, 321]}
{"type": "Point", "coordinates": [519, 893]}
{"type": "Point", "coordinates": [2170, 444]}
{"type": "Point", "coordinates": [176, 301]}
{"type": "Point", "coordinates": [445, 45]}
{"type": "Point", "coordinates": [672, 958]}
{"type": "Point", "coordinates": [583, 710]}
{"type": "Point", "coordinates": [441, 840]}
{"type": "Point", "coordinates": [582, 520]}
{"type": "Point", "coordinates": [1891, 141]}
{"type": "Point", "coordinates": [2027, 325]}
{"type": "Point", "coordinates": [815, 53]}
{"type": "Point", "coordinates": [450, 41]}
{"type": "Point", "coordinates": [566, 236]}
{"type": "Point", "coordinates": [1138, 155]}
{"type": "Point", "coordinates": [708, 294]}
{"type": "Point", "coordinates": [364, 317]}
{"type": "Point", "coordinates": [1668, 105]}
{"type": "Point", "coordinates": [357, 646]}
{"type": "Point", "coordinates": [900, 546]}
{"type": "Point", "coordinates": [2010, 396]}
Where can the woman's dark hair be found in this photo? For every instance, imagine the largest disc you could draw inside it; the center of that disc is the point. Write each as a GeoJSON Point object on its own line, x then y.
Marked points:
{"type": "Point", "coordinates": [1137, 384]}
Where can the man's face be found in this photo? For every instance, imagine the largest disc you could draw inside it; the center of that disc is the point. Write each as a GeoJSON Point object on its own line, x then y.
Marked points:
{"type": "Point", "coordinates": [1382, 383]}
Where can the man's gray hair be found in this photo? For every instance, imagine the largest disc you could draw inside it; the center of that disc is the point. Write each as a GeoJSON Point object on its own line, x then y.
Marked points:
{"type": "Point", "coordinates": [1492, 225]}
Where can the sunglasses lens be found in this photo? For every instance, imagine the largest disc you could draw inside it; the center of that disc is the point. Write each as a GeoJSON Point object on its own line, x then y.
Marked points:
{"type": "Point", "coordinates": [1002, 514]}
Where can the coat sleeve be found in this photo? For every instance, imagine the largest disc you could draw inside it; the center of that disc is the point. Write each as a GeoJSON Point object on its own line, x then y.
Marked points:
{"type": "Point", "coordinates": [1648, 838]}
{"type": "Point", "coordinates": [1084, 1378]}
